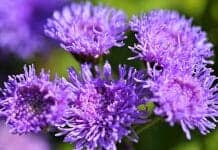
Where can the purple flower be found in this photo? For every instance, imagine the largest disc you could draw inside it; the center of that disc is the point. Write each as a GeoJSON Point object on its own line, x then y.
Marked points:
{"type": "Point", "coordinates": [102, 109]}
{"type": "Point", "coordinates": [87, 30]}
{"type": "Point", "coordinates": [31, 103]}
{"type": "Point", "coordinates": [166, 38]}
{"type": "Point", "coordinates": [25, 142]}
{"type": "Point", "coordinates": [190, 100]}
{"type": "Point", "coordinates": [21, 25]}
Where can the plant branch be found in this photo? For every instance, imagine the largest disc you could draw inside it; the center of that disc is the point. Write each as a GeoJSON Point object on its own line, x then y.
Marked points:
{"type": "Point", "coordinates": [149, 125]}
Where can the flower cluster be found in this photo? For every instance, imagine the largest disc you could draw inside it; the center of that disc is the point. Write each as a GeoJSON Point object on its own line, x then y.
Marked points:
{"type": "Point", "coordinates": [184, 89]}
{"type": "Point", "coordinates": [96, 108]}
{"type": "Point", "coordinates": [87, 30]}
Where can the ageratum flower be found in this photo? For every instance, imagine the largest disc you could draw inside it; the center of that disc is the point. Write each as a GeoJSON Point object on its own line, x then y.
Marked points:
{"type": "Point", "coordinates": [102, 109]}
{"type": "Point", "coordinates": [87, 30]}
{"type": "Point", "coordinates": [32, 103]}
{"type": "Point", "coordinates": [166, 38]}
{"type": "Point", "coordinates": [21, 26]}
{"type": "Point", "coordinates": [190, 100]}
{"type": "Point", "coordinates": [10, 141]}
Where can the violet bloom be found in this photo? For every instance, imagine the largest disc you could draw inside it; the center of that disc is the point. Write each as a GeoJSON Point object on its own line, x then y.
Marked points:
{"type": "Point", "coordinates": [10, 141]}
{"type": "Point", "coordinates": [166, 38]}
{"type": "Point", "coordinates": [21, 25]}
{"type": "Point", "coordinates": [32, 103]}
{"type": "Point", "coordinates": [190, 100]}
{"type": "Point", "coordinates": [102, 110]}
{"type": "Point", "coordinates": [87, 30]}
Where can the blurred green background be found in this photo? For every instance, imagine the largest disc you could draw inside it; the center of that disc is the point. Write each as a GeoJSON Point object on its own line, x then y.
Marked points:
{"type": "Point", "coordinates": [160, 136]}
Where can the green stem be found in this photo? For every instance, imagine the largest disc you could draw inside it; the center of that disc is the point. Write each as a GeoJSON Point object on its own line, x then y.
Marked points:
{"type": "Point", "coordinates": [202, 144]}
{"type": "Point", "coordinates": [149, 125]}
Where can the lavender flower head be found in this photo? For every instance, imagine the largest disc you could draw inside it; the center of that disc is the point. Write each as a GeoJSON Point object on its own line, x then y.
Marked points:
{"type": "Point", "coordinates": [87, 30]}
{"type": "Point", "coordinates": [190, 100]}
{"type": "Point", "coordinates": [166, 38]}
{"type": "Point", "coordinates": [102, 110]}
{"type": "Point", "coordinates": [21, 25]}
{"type": "Point", "coordinates": [10, 141]}
{"type": "Point", "coordinates": [32, 103]}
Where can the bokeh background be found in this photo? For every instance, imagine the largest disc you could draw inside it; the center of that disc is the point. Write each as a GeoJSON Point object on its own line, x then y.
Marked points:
{"type": "Point", "coordinates": [160, 136]}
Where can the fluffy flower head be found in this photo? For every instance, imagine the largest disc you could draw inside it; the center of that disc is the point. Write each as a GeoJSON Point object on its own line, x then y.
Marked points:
{"type": "Point", "coordinates": [190, 100]}
{"type": "Point", "coordinates": [31, 103]}
{"type": "Point", "coordinates": [102, 109]}
{"type": "Point", "coordinates": [21, 25]}
{"type": "Point", "coordinates": [87, 30]}
{"type": "Point", "coordinates": [166, 38]}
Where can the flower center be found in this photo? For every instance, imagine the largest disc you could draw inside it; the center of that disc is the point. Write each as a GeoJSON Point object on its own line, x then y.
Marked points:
{"type": "Point", "coordinates": [89, 101]}
{"type": "Point", "coordinates": [35, 99]}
